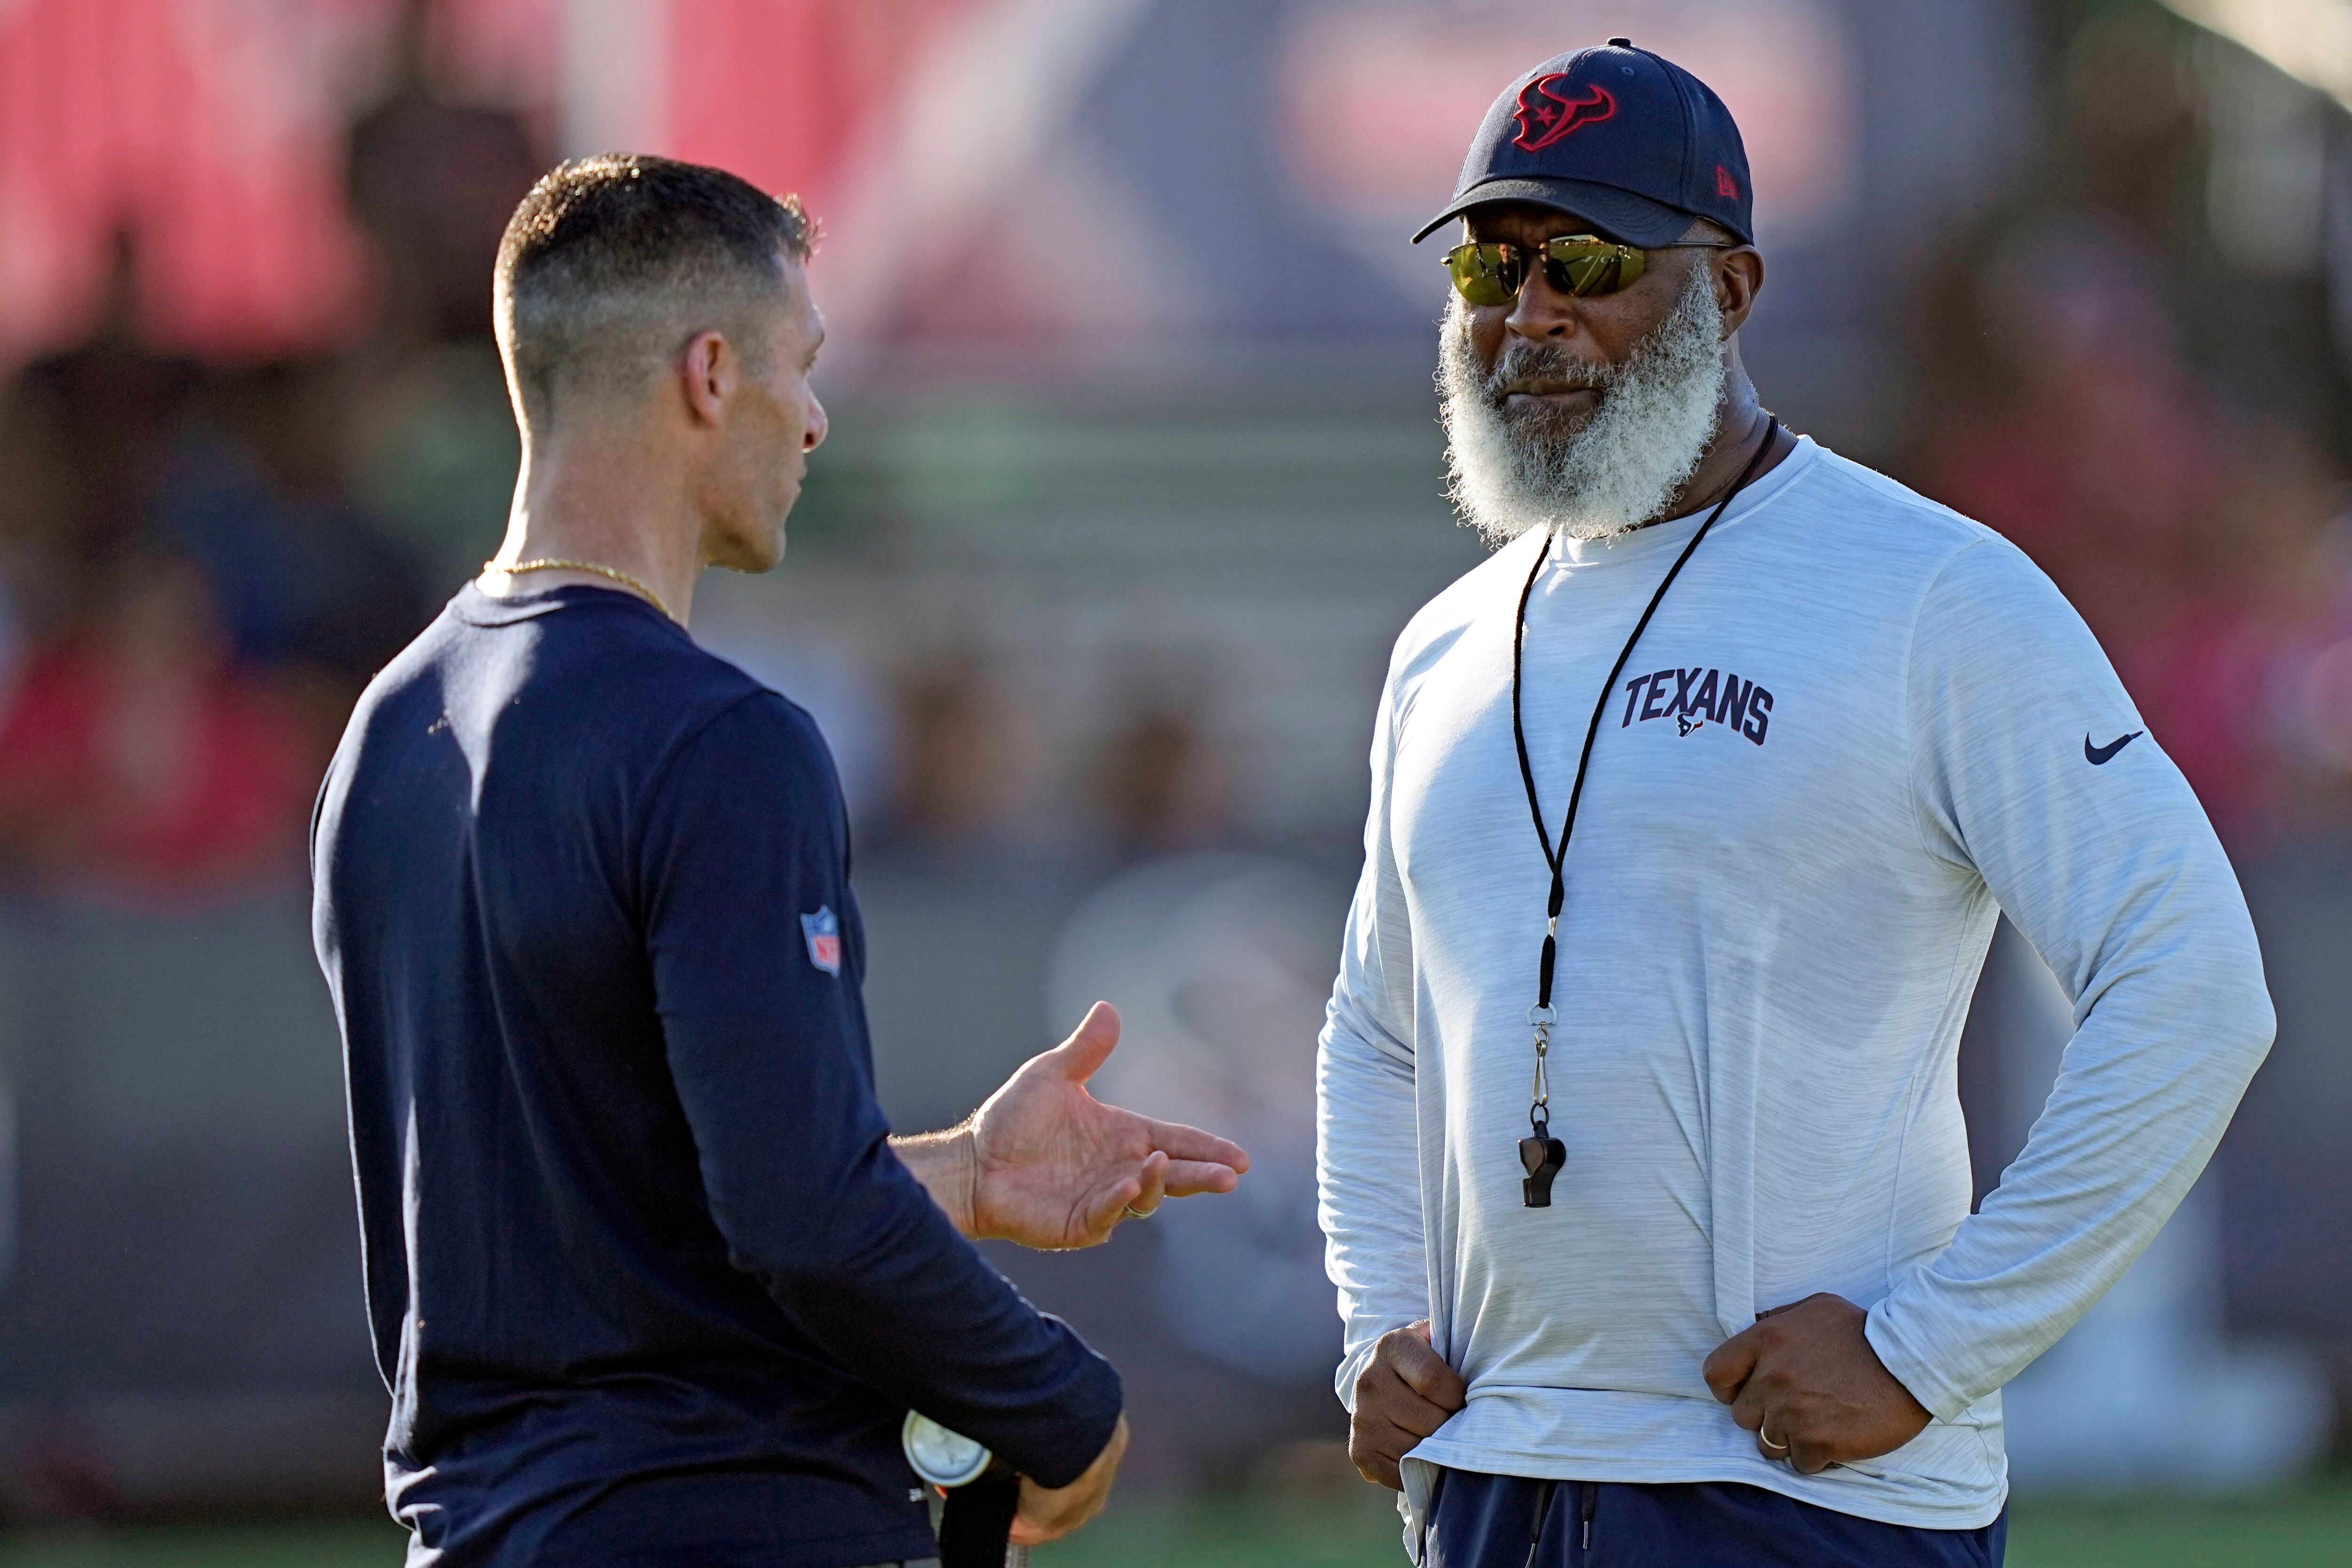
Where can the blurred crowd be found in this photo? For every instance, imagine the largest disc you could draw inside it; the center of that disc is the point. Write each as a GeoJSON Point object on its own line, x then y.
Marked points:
{"type": "Point", "coordinates": [2149, 402]}
{"type": "Point", "coordinates": [201, 563]}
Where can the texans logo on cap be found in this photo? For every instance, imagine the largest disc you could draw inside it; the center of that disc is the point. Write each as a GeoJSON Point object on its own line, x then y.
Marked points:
{"type": "Point", "coordinates": [1546, 113]}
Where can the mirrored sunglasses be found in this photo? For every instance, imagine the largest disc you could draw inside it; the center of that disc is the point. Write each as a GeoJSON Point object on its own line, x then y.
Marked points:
{"type": "Point", "coordinates": [1583, 265]}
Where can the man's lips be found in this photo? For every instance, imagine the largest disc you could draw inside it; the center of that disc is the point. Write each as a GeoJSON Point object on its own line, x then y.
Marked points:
{"type": "Point", "coordinates": [1553, 394]}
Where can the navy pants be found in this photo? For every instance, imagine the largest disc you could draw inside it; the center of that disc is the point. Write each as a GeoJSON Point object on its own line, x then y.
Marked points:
{"type": "Point", "coordinates": [1509, 1521]}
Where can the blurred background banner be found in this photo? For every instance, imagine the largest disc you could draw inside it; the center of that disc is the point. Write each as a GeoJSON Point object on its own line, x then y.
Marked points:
{"type": "Point", "coordinates": [1134, 478]}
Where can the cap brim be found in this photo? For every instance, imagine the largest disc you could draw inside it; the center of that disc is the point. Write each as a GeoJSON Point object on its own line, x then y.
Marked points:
{"type": "Point", "coordinates": [1619, 214]}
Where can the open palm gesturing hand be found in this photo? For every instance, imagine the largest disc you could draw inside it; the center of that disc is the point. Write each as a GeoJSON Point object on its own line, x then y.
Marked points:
{"type": "Point", "coordinates": [1052, 1166]}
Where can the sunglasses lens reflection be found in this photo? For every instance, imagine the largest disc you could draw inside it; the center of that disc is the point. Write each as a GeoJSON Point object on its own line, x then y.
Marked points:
{"type": "Point", "coordinates": [1491, 273]}
{"type": "Point", "coordinates": [1485, 274]}
{"type": "Point", "coordinates": [1585, 268]}
{"type": "Point", "coordinates": [1593, 274]}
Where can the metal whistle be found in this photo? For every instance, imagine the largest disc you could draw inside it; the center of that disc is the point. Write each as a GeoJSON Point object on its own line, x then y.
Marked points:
{"type": "Point", "coordinates": [1542, 1154]}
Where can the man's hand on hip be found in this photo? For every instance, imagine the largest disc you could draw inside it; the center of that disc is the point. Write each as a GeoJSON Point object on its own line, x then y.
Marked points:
{"type": "Point", "coordinates": [1405, 1393]}
{"type": "Point", "coordinates": [1045, 1163]}
{"type": "Point", "coordinates": [1048, 1513]}
{"type": "Point", "coordinates": [1806, 1382]}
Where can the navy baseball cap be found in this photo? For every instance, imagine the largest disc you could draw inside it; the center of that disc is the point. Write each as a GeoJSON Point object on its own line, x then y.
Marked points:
{"type": "Point", "coordinates": [1616, 135]}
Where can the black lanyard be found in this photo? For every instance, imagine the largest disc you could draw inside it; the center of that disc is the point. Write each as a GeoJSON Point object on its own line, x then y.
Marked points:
{"type": "Point", "coordinates": [1542, 1153]}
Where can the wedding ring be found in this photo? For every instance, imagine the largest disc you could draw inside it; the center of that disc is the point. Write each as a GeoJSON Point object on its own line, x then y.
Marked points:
{"type": "Point", "coordinates": [1134, 1213]}
{"type": "Point", "coordinates": [1770, 1446]}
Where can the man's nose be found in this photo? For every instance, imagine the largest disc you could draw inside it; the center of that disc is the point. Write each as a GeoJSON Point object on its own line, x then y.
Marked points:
{"type": "Point", "coordinates": [813, 436]}
{"type": "Point", "coordinates": [1541, 312]}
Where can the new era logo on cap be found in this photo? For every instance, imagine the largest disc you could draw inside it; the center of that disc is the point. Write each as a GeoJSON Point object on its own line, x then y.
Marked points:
{"type": "Point", "coordinates": [1617, 137]}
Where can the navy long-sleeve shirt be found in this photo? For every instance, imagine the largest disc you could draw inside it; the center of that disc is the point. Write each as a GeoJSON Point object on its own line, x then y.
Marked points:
{"type": "Point", "coordinates": [647, 1284]}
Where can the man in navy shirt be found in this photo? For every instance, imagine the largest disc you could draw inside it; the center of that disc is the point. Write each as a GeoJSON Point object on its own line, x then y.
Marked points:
{"type": "Point", "coordinates": [649, 1279]}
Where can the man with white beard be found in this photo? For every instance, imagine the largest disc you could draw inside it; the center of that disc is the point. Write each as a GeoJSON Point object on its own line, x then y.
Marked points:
{"type": "Point", "coordinates": [1637, 1092]}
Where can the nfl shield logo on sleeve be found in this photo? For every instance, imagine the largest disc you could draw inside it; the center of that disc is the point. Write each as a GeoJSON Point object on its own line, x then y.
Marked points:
{"type": "Point", "coordinates": [823, 930]}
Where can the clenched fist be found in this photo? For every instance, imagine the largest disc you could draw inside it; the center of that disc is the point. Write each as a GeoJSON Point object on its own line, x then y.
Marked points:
{"type": "Point", "coordinates": [1405, 1393]}
{"type": "Point", "coordinates": [1806, 1382]}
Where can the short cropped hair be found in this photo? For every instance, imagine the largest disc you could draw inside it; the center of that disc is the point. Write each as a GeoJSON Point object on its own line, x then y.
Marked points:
{"type": "Point", "coordinates": [611, 263]}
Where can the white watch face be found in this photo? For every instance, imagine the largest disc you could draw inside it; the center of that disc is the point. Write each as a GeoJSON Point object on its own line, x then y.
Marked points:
{"type": "Point", "coordinates": [942, 1457]}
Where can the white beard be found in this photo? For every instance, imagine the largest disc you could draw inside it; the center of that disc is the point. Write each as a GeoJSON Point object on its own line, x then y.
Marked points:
{"type": "Point", "coordinates": [1514, 470]}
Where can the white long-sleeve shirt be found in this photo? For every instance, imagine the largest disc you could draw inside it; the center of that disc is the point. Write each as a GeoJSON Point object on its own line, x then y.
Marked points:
{"type": "Point", "coordinates": [1858, 723]}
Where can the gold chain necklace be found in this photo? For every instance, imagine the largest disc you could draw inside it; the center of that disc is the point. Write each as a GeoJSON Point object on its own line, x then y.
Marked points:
{"type": "Point", "coordinates": [549, 563]}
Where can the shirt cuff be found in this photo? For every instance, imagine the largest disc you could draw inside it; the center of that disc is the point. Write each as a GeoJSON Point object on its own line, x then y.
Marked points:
{"type": "Point", "coordinates": [1351, 1367]}
{"type": "Point", "coordinates": [1910, 1363]}
{"type": "Point", "coordinates": [1056, 1455]}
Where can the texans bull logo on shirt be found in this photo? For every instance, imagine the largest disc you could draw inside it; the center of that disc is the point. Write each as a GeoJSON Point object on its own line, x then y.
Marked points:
{"type": "Point", "coordinates": [1697, 697]}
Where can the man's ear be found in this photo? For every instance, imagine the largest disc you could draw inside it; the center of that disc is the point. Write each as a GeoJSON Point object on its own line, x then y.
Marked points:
{"type": "Point", "coordinates": [1738, 279]}
{"type": "Point", "coordinates": [709, 374]}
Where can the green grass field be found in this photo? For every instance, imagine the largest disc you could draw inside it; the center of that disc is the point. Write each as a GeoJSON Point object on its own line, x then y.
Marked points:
{"type": "Point", "coordinates": [2307, 1529]}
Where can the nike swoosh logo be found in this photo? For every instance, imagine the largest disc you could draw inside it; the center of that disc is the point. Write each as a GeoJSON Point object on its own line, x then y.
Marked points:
{"type": "Point", "coordinates": [2097, 756]}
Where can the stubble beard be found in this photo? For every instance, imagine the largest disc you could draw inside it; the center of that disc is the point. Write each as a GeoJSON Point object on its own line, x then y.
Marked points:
{"type": "Point", "coordinates": [1512, 470]}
